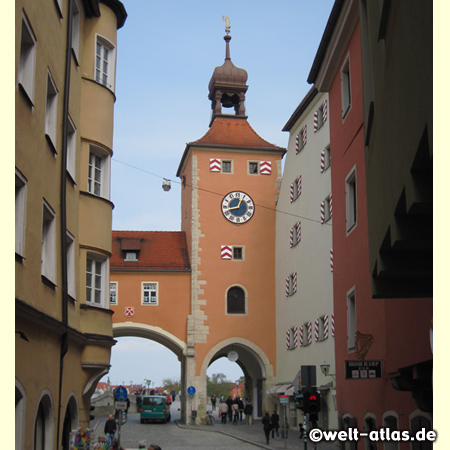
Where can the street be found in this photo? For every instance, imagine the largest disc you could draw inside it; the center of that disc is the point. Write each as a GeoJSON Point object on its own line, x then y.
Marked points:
{"type": "Point", "coordinates": [176, 436]}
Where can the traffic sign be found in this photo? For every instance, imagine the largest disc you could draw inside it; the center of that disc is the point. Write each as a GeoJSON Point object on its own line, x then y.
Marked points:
{"type": "Point", "coordinates": [120, 405]}
{"type": "Point", "coordinates": [121, 394]}
{"type": "Point", "coordinates": [191, 390]}
{"type": "Point", "coordinates": [284, 399]}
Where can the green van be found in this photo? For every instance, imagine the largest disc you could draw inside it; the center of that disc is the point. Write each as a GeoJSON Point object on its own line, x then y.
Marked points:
{"type": "Point", "coordinates": [155, 407]}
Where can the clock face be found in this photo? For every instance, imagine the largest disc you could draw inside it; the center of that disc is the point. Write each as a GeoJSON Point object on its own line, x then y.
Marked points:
{"type": "Point", "coordinates": [238, 207]}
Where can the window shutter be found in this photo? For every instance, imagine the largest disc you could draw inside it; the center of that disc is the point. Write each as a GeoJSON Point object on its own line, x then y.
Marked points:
{"type": "Point", "coordinates": [299, 185]}
{"type": "Point", "coordinates": [325, 110]}
{"type": "Point", "coordinates": [309, 332]}
{"type": "Point", "coordinates": [316, 330]}
{"type": "Point", "coordinates": [325, 327]}
{"type": "Point", "coordinates": [322, 212]}
{"type": "Point", "coordinates": [331, 259]}
{"type": "Point", "coordinates": [265, 167]}
{"type": "Point", "coordinates": [291, 193]}
{"type": "Point", "coordinates": [291, 237]}
{"type": "Point", "coordinates": [294, 282]}
{"type": "Point", "coordinates": [226, 252]}
{"type": "Point", "coordinates": [331, 205]}
{"type": "Point", "coordinates": [215, 165]}
{"type": "Point", "coordinates": [299, 231]}
{"type": "Point", "coordinates": [316, 114]}
{"type": "Point", "coordinates": [296, 334]}
{"type": "Point", "coordinates": [332, 324]}
{"type": "Point", "coordinates": [296, 144]}
{"type": "Point", "coordinates": [300, 336]}
{"type": "Point", "coordinates": [322, 161]}
{"type": "Point", "coordinates": [288, 339]}
{"type": "Point", "coordinates": [304, 135]}
{"type": "Point", "coordinates": [287, 286]}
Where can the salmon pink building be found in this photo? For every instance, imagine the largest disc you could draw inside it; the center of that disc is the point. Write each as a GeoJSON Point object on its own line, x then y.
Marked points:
{"type": "Point", "coordinates": [382, 346]}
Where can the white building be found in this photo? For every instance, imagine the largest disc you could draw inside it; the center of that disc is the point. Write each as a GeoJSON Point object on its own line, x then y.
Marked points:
{"type": "Point", "coordinates": [304, 259]}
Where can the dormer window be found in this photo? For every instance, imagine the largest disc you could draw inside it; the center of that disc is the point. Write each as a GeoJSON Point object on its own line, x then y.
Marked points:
{"type": "Point", "coordinates": [130, 249]}
{"type": "Point", "coordinates": [131, 256]}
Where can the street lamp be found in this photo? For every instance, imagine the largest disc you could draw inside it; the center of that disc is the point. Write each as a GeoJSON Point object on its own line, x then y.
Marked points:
{"type": "Point", "coordinates": [325, 368]}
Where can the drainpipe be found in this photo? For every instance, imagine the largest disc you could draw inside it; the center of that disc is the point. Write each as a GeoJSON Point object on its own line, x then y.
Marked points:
{"type": "Point", "coordinates": [64, 337]}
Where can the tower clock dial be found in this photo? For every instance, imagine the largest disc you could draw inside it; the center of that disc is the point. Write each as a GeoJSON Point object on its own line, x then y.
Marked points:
{"type": "Point", "coordinates": [238, 207]}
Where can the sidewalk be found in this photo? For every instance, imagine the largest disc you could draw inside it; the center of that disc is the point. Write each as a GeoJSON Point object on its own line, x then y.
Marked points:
{"type": "Point", "coordinates": [254, 434]}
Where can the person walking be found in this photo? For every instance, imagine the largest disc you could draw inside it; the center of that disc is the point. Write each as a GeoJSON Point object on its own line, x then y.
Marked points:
{"type": "Point", "coordinates": [229, 402]}
{"type": "Point", "coordinates": [248, 411]}
{"type": "Point", "coordinates": [275, 425]}
{"type": "Point", "coordinates": [241, 408]}
{"type": "Point", "coordinates": [213, 402]}
{"type": "Point", "coordinates": [267, 426]}
{"type": "Point", "coordinates": [223, 411]}
{"type": "Point", "coordinates": [110, 430]}
{"type": "Point", "coordinates": [235, 411]}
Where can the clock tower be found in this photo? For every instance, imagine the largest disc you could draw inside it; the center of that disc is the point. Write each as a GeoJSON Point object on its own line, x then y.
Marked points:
{"type": "Point", "coordinates": [230, 179]}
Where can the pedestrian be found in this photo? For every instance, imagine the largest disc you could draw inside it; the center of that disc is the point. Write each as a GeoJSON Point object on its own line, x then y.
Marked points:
{"type": "Point", "coordinates": [267, 426]}
{"type": "Point", "coordinates": [110, 429]}
{"type": "Point", "coordinates": [235, 411]}
{"type": "Point", "coordinates": [223, 411]}
{"type": "Point", "coordinates": [275, 424]}
{"type": "Point", "coordinates": [174, 395]}
{"type": "Point", "coordinates": [213, 402]}
{"type": "Point", "coordinates": [138, 402]}
{"type": "Point", "coordinates": [241, 408]}
{"type": "Point", "coordinates": [115, 445]}
{"type": "Point", "coordinates": [229, 402]}
{"type": "Point", "coordinates": [248, 411]}
{"type": "Point", "coordinates": [179, 395]}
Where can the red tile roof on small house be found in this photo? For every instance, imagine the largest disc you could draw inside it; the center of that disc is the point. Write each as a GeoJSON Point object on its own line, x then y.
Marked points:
{"type": "Point", "coordinates": [157, 251]}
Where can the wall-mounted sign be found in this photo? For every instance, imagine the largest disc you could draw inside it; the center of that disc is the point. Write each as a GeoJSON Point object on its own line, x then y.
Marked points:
{"type": "Point", "coordinates": [362, 370]}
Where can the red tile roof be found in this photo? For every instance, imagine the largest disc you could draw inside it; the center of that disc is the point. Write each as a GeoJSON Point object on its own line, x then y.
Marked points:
{"type": "Point", "coordinates": [233, 132]}
{"type": "Point", "coordinates": [160, 251]}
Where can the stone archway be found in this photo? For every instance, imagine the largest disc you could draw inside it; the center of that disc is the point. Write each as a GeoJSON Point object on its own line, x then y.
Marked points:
{"type": "Point", "coordinates": [257, 370]}
{"type": "Point", "coordinates": [157, 334]}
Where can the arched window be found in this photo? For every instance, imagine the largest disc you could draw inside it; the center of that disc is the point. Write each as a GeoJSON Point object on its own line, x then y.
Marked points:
{"type": "Point", "coordinates": [43, 425]}
{"type": "Point", "coordinates": [236, 300]}
{"type": "Point", "coordinates": [20, 416]}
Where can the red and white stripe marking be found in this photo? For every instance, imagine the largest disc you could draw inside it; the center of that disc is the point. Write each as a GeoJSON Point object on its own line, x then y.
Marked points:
{"type": "Point", "coordinates": [325, 110]}
{"type": "Point", "coordinates": [299, 185]}
{"type": "Point", "coordinates": [322, 161]}
{"type": "Point", "coordinates": [215, 165]}
{"type": "Point", "coordinates": [296, 144]}
{"type": "Point", "coordinates": [331, 259]}
{"type": "Point", "coordinates": [288, 339]}
{"type": "Point", "coordinates": [296, 336]}
{"type": "Point", "coordinates": [265, 168]}
{"type": "Point", "coordinates": [325, 327]}
{"type": "Point", "coordinates": [299, 231]}
{"type": "Point", "coordinates": [316, 330]}
{"type": "Point", "coordinates": [291, 192]}
{"type": "Point", "coordinates": [332, 324]}
{"type": "Point", "coordinates": [226, 252]}
{"type": "Point", "coordinates": [304, 135]}
{"type": "Point", "coordinates": [316, 125]}
{"type": "Point", "coordinates": [322, 212]}
{"type": "Point", "coordinates": [300, 336]}
{"type": "Point", "coordinates": [294, 282]}
{"type": "Point", "coordinates": [129, 311]}
{"type": "Point", "coordinates": [287, 286]}
{"type": "Point", "coordinates": [291, 238]}
{"type": "Point", "coordinates": [309, 332]}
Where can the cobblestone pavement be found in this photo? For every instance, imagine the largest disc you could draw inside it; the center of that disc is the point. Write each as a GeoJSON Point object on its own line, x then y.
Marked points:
{"type": "Point", "coordinates": [177, 436]}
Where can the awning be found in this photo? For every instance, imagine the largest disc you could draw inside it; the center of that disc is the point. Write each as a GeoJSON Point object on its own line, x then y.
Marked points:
{"type": "Point", "coordinates": [282, 388]}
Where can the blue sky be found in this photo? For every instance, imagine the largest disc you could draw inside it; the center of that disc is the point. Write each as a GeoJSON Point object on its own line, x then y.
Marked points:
{"type": "Point", "coordinates": [167, 52]}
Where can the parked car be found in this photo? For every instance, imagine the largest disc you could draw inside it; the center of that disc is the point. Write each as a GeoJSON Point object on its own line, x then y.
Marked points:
{"type": "Point", "coordinates": [155, 407]}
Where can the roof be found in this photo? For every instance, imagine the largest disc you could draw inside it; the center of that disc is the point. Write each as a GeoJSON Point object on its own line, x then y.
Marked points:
{"type": "Point", "coordinates": [231, 132]}
{"type": "Point", "coordinates": [309, 97]}
{"type": "Point", "coordinates": [159, 251]}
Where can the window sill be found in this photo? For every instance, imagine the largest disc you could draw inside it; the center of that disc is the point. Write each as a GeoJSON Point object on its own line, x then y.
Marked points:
{"type": "Point", "coordinates": [50, 144]}
{"type": "Point", "coordinates": [25, 96]}
{"type": "Point", "coordinates": [48, 282]}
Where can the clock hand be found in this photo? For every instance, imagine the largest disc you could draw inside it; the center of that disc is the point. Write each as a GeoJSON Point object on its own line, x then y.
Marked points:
{"type": "Point", "coordinates": [236, 207]}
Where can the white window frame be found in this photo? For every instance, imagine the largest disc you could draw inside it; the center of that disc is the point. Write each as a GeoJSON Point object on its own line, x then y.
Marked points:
{"type": "Point", "coordinates": [20, 213]}
{"type": "Point", "coordinates": [27, 59]}
{"type": "Point", "coordinates": [113, 292]}
{"type": "Point", "coordinates": [71, 148]}
{"type": "Point", "coordinates": [346, 93]}
{"type": "Point", "coordinates": [102, 284]}
{"type": "Point", "coordinates": [351, 201]}
{"type": "Point", "coordinates": [76, 30]}
{"type": "Point", "coordinates": [131, 256]}
{"type": "Point", "coordinates": [48, 251]}
{"type": "Point", "coordinates": [102, 76]}
{"type": "Point", "coordinates": [150, 286]}
{"type": "Point", "coordinates": [70, 255]}
{"type": "Point", "coordinates": [103, 169]}
{"type": "Point", "coordinates": [351, 320]}
{"type": "Point", "coordinates": [51, 110]}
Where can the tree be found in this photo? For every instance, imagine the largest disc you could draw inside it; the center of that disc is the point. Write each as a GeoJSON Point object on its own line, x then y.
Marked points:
{"type": "Point", "coordinates": [218, 384]}
{"type": "Point", "coordinates": [170, 384]}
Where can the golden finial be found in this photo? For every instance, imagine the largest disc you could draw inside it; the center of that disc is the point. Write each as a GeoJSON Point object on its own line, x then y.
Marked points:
{"type": "Point", "coordinates": [227, 24]}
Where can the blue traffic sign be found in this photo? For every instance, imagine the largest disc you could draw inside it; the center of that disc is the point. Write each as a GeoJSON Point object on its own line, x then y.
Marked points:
{"type": "Point", "coordinates": [191, 390]}
{"type": "Point", "coordinates": [121, 394]}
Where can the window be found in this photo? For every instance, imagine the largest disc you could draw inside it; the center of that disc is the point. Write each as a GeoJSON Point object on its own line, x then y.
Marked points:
{"type": "Point", "coordinates": [76, 30]}
{"type": "Point", "coordinates": [43, 425]}
{"type": "Point", "coordinates": [326, 159]}
{"type": "Point", "coordinates": [253, 168]}
{"type": "Point", "coordinates": [236, 301]}
{"type": "Point", "coordinates": [351, 321]}
{"type": "Point", "coordinates": [345, 88]}
{"type": "Point", "coordinates": [70, 247]}
{"type": "Point", "coordinates": [350, 200]}
{"type": "Point", "coordinates": [295, 234]}
{"type": "Point", "coordinates": [131, 256]}
{"type": "Point", "coordinates": [99, 170]}
{"type": "Point", "coordinates": [292, 337]}
{"type": "Point", "coordinates": [296, 189]}
{"type": "Point", "coordinates": [300, 140]}
{"type": "Point", "coordinates": [307, 333]}
{"type": "Point", "coordinates": [321, 328]}
{"type": "Point", "coordinates": [327, 209]}
{"type": "Point", "coordinates": [391, 422]}
{"type": "Point", "coordinates": [27, 60]}
{"type": "Point", "coordinates": [320, 117]}
{"type": "Point", "coordinates": [226, 167]}
{"type": "Point", "coordinates": [238, 253]}
{"type": "Point", "coordinates": [113, 293]}
{"type": "Point", "coordinates": [104, 62]}
{"type": "Point", "coordinates": [51, 109]}
{"type": "Point", "coordinates": [20, 400]}
{"type": "Point", "coordinates": [149, 293]}
{"type": "Point", "coordinates": [21, 201]}
{"type": "Point", "coordinates": [97, 277]}
{"type": "Point", "coordinates": [71, 148]}
{"type": "Point", "coordinates": [48, 256]}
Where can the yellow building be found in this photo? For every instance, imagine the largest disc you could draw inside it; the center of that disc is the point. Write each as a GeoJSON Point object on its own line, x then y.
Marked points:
{"type": "Point", "coordinates": [65, 68]}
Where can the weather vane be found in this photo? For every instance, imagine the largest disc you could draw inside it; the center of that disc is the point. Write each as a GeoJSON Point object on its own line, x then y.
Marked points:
{"type": "Point", "coordinates": [227, 22]}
